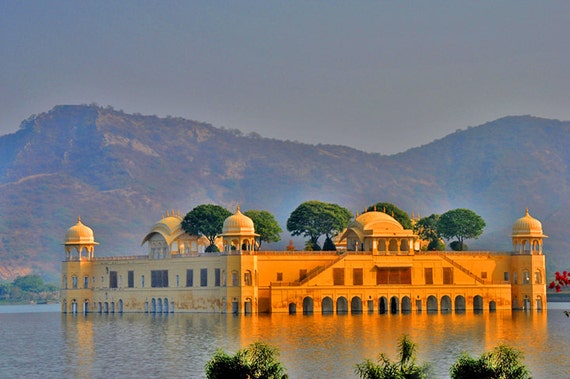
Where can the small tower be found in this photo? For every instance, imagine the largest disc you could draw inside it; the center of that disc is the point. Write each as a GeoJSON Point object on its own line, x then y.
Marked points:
{"type": "Point", "coordinates": [238, 233]}
{"type": "Point", "coordinates": [527, 235]}
{"type": "Point", "coordinates": [528, 280]}
{"type": "Point", "coordinates": [77, 269]}
{"type": "Point", "coordinates": [81, 239]}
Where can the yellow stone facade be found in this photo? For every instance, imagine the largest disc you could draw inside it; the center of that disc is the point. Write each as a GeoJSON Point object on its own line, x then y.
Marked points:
{"type": "Point", "coordinates": [380, 269]}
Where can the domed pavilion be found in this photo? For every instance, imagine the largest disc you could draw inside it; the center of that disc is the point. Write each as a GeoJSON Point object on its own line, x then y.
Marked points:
{"type": "Point", "coordinates": [527, 235]}
{"type": "Point", "coordinates": [80, 238]}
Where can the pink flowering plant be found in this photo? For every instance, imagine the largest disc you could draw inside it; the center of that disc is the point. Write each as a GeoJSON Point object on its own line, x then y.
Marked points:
{"type": "Point", "coordinates": [560, 280]}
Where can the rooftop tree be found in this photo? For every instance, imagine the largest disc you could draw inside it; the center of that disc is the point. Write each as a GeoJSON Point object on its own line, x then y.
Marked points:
{"type": "Point", "coordinates": [426, 229]}
{"type": "Point", "coordinates": [265, 225]}
{"type": "Point", "coordinates": [206, 220]}
{"type": "Point", "coordinates": [314, 219]}
{"type": "Point", "coordinates": [460, 224]}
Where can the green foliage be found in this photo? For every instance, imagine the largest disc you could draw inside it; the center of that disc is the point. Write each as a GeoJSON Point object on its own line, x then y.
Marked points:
{"type": "Point", "coordinates": [436, 245]}
{"type": "Point", "coordinates": [405, 368]}
{"type": "Point", "coordinates": [315, 218]}
{"type": "Point", "coordinates": [329, 245]}
{"type": "Point", "coordinates": [256, 361]}
{"type": "Point", "coordinates": [458, 246]}
{"type": "Point", "coordinates": [265, 225]}
{"type": "Point", "coordinates": [392, 210]}
{"type": "Point", "coordinates": [426, 229]}
{"type": "Point", "coordinates": [28, 288]}
{"type": "Point", "coordinates": [30, 283]}
{"type": "Point", "coordinates": [460, 224]}
{"type": "Point", "coordinates": [206, 220]}
{"type": "Point", "coordinates": [504, 362]}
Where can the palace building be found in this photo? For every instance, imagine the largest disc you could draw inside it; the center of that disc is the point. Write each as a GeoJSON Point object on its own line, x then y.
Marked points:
{"type": "Point", "coordinates": [379, 269]}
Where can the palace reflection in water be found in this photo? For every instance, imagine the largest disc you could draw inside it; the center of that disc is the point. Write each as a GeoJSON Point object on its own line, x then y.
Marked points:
{"type": "Point", "coordinates": [316, 346]}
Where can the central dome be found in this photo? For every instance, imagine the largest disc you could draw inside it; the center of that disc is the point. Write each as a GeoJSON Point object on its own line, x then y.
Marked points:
{"type": "Point", "coordinates": [238, 223]}
{"type": "Point", "coordinates": [378, 221]}
{"type": "Point", "coordinates": [79, 234]}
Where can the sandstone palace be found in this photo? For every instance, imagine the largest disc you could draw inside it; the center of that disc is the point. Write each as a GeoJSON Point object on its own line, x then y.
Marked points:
{"type": "Point", "coordinates": [377, 268]}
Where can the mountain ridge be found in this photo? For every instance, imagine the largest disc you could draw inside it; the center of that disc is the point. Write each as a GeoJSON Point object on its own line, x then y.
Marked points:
{"type": "Point", "coordinates": [120, 172]}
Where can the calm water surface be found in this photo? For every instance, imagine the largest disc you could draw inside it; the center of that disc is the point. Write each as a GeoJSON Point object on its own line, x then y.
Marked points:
{"type": "Point", "coordinates": [39, 342]}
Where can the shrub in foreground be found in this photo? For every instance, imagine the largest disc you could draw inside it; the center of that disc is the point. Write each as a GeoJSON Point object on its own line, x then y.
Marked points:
{"type": "Point", "coordinates": [405, 368]}
{"type": "Point", "coordinates": [504, 362]}
{"type": "Point", "coordinates": [256, 361]}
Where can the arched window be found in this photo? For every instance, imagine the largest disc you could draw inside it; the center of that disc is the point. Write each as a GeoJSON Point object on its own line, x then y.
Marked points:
{"type": "Point", "coordinates": [393, 247]}
{"type": "Point", "coordinates": [537, 277]}
{"type": "Point", "coordinates": [526, 277]}
{"type": "Point", "coordinates": [404, 245]}
{"type": "Point", "coordinates": [74, 281]}
{"type": "Point", "coordinates": [247, 278]}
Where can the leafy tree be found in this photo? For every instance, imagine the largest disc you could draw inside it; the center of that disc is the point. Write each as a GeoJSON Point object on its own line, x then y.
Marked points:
{"type": "Point", "coordinates": [256, 361]}
{"type": "Point", "coordinates": [504, 362]}
{"type": "Point", "coordinates": [265, 225]}
{"type": "Point", "coordinates": [460, 224]}
{"type": "Point", "coordinates": [426, 229]}
{"type": "Point", "coordinates": [457, 246]}
{"type": "Point", "coordinates": [315, 218]}
{"type": "Point", "coordinates": [30, 283]}
{"type": "Point", "coordinates": [392, 210]}
{"type": "Point", "coordinates": [405, 368]}
{"type": "Point", "coordinates": [329, 245]}
{"type": "Point", "coordinates": [206, 220]}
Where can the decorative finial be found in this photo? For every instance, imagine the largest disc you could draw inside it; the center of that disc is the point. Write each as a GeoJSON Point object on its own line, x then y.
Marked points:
{"type": "Point", "coordinates": [79, 219]}
{"type": "Point", "coordinates": [374, 207]}
{"type": "Point", "coordinates": [528, 214]}
{"type": "Point", "coordinates": [238, 210]}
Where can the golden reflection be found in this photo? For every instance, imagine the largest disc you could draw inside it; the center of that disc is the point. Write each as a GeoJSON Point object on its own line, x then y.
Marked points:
{"type": "Point", "coordinates": [367, 335]}
{"type": "Point", "coordinates": [79, 351]}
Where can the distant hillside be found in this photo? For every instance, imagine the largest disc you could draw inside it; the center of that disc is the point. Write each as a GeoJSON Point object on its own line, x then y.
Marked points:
{"type": "Point", "coordinates": [121, 172]}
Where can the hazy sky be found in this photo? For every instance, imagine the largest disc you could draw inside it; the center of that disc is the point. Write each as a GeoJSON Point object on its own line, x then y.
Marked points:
{"type": "Point", "coordinates": [378, 76]}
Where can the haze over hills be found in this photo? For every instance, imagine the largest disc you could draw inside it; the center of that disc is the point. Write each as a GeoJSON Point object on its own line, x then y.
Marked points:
{"type": "Point", "coordinates": [120, 172]}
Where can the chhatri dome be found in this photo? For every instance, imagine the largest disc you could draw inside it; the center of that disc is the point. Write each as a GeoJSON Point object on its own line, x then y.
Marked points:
{"type": "Point", "coordinates": [238, 233]}
{"type": "Point", "coordinates": [527, 226]}
{"type": "Point", "coordinates": [527, 235]}
{"type": "Point", "coordinates": [238, 223]}
{"type": "Point", "coordinates": [81, 239]}
{"type": "Point", "coordinates": [79, 234]}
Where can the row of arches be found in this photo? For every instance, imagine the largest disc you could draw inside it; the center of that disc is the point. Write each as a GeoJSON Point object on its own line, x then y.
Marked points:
{"type": "Point", "coordinates": [159, 305]}
{"type": "Point", "coordinates": [381, 244]}
{"type": "Point", "coordinates": [75, 307]}
{"type": "Point", "coordinates": [394, 304]}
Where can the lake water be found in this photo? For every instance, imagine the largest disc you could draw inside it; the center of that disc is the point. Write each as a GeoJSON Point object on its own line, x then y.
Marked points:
{"type": "Point", "coordinates": [39, 342]}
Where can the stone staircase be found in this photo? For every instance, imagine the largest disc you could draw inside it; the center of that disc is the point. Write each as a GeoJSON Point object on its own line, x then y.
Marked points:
{"type": "Point", "coordinates": [463, 269]}
{"type": "Point", "coordinates": [317, 270]}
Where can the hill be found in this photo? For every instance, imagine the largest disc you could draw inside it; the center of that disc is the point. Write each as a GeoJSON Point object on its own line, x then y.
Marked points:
{"type": "Point", "coordinates": [120, 172]}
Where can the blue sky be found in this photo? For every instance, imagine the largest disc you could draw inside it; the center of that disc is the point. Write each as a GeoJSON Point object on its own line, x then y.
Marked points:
{"type": "Point", "coordinates": [374, 75]}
